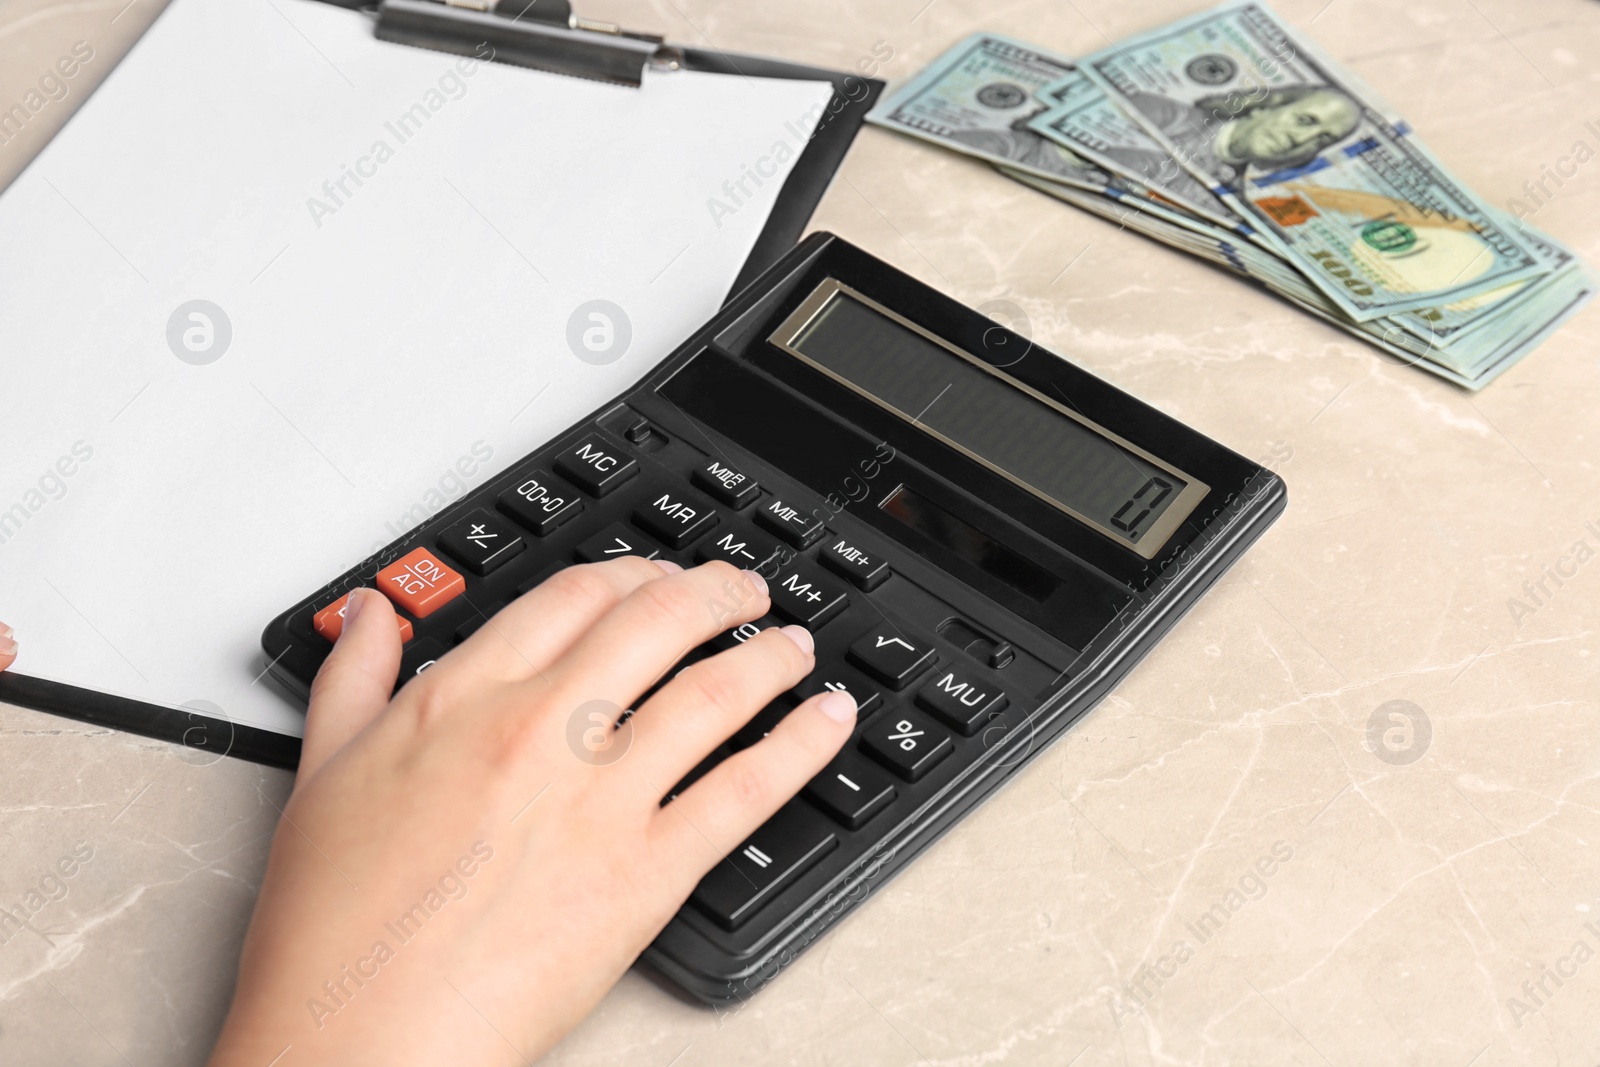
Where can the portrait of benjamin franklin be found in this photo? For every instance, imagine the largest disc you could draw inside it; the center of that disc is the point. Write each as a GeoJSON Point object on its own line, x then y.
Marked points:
{"type": "Point", "coordinates": [1224, 135]}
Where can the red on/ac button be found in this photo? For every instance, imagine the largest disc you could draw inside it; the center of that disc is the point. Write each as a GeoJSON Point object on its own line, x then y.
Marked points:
{"type": "Point", "coordinates": [418, 582]}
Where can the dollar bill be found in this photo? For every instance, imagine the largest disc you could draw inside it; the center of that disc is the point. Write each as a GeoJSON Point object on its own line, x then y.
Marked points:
{"type": "Point", "coordinates": [1314, 160]}
{"type": "Point", "coordinates": [1082, 118]}
{"type": "Point", "coordinates": [977, 98]}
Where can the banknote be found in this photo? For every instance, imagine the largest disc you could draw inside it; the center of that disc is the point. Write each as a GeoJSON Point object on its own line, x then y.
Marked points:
{"type": "Point", "coordinates": [1082, 118]}
{"type": "Point", "coordinates": [977, 98]}
{"type": "Point", "coordinates": [1313, 159]}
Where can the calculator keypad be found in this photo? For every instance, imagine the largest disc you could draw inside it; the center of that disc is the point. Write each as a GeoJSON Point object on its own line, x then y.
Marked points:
{"type": "Point", "coordinates": [922, 705]}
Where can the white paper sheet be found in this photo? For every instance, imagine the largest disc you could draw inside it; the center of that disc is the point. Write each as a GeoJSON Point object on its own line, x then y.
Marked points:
{"type": "Point", "coordinates": [394, 340]}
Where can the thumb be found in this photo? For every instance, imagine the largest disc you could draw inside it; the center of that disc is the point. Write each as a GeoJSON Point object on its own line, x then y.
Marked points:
{"type": "Point", "coordinates": [355, 681]}
{"type": "Point", "coordinates": [8, 647]}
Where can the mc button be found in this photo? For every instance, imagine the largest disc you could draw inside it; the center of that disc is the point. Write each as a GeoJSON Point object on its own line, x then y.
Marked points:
{"type": "Point", "coordinates": [597, 465]}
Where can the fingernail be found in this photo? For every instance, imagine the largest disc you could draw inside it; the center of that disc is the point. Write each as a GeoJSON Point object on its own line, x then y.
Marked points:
{"type": "Point", "coordinates": [352, 607]}
{"type": "Point", "coordinates": [667, 566]}
{"type": "Point", "coordinates": [758, 583]}
{"type": "Point", "coordinates": [8, 646]}
{"type": "Point", "coordinates": [800, 636]}
{"type": "Point", "coordinates": [838, 706]}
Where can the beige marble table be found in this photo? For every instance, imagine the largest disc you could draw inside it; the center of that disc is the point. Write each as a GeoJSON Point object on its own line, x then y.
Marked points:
{"type": "Point", "coordinates": [1407, 903]}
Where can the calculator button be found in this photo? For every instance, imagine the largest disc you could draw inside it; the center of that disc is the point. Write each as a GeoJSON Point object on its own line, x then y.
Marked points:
{"type": "Point", "coordinates": [329, 622]}
{"type": "Point", "coordinates": [741, 545]}
{"type": "Point", "coordinates": [540, 502]}
{"type": "Point", "coordinates": [851, 790]}
{"type": "Point", "coordinates": [891, 655]}
{"type": "Point", "coordinates": [539, 579]}
{"type": "Point", "coordinates": [801, 593]}
{"type": "Point", "coordinates": [762, 723]}
{"type": "Point", "coordinates": [418, 658]}
{"type": "Point", "coordinates": [908, 743]}
{"type": "Point", "coordinates": [739, 634]}
{"type": "Point", "coordinates": [863, 569]}
{"type": "Point", "coordinates": [673, 516]}
{"type": "Point", "coordinates": [480, 616]}
{"type": "Point", "coordinates": [961, 701]}
{"type": "Point", "coordinates": [482, 541]}
{"type": "Point", "coordinates": [597, 465]}
{"type": "Point", "coordinates": [768, 862]}
{"type": "Point", "coordinates": [833, 677]}
{"type": "Point", "coordinates": [616, 540]}
{"type": "Point", "coordinates": [418, 582]}
{"type": "Point", "coordinates": [788, 521]}
{"type": "Point", "coordinates": [727, 484]}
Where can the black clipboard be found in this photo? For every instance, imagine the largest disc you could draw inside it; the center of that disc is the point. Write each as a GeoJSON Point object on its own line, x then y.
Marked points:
{"type": "Point", "coordinates": [606, 54]}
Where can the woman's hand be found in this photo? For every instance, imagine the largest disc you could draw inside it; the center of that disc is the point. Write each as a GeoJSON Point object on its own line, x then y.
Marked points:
{"type": "Point", "coordinates": [457, 878]}
{"type": "Point", "coordinates": [8, 647]}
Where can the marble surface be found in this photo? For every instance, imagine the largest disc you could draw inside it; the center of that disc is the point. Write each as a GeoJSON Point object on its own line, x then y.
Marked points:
{"type": "Point", "coordinates": [1377, 912]}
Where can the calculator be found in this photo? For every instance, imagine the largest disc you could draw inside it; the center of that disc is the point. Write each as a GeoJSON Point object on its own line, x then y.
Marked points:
{"type": "Point", "coordinates": [982, 537]}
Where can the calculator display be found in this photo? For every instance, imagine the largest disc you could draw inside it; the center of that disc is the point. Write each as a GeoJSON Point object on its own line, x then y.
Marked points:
{"type": "Point", "coordinates": [1042, 445]}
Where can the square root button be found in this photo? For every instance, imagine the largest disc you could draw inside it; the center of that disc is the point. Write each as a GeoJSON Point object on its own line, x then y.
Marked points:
{"type": "Point", "coordinates": [419, 583]}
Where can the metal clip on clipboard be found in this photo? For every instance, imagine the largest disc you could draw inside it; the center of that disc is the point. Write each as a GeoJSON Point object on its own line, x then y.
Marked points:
{"type": "Point", "coordinates": [543, 34]}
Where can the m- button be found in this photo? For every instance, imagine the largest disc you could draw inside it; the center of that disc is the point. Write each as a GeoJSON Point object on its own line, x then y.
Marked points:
{"type": "Point", "coordinates": [597, 465]}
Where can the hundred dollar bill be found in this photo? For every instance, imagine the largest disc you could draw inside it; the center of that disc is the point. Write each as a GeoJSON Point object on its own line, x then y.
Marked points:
{"type": "Point", "coordinates": [977, 98]}
{"type": "Point", "coordinates": [1082, 118]}
{"type": "Point", "coordinates": [1314, 160]}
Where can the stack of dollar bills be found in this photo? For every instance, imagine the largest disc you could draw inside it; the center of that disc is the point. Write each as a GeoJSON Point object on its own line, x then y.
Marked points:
{"type": "Point", "coordinates": [1229, 136]}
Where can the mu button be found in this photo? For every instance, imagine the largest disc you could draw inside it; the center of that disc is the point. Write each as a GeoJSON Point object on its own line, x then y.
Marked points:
{"type": "Point", "coordinates": [961, 701]}
{"type": "Point", "coordinates": [768, 862]}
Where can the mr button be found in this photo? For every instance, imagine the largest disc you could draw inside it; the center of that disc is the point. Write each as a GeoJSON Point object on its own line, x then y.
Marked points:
{"type": "Point", "coordinates": [418, 582]}
{"type": "Point", "coordinates": [673, 516]}
{"type": "Point", "coordinates": [597, 465]}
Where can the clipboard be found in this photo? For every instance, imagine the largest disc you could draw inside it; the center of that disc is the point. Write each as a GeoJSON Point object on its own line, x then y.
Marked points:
{"type": "Point", "coordinates": [559, 41]}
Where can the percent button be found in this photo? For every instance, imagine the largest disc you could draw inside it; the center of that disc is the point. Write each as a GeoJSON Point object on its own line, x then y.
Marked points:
{"type": "Point", "coordinates": [908, 743]}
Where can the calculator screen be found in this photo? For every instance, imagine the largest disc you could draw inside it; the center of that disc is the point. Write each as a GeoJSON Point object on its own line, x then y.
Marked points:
{"type": "Point", "coordinates": [1081, 468]}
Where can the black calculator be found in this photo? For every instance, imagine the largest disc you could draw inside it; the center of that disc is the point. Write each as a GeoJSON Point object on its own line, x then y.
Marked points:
{"type": "Point", "coordinates": [982, 537]}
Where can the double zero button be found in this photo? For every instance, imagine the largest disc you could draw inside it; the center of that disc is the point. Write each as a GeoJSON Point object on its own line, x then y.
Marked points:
{"type": "Point", "coordinates": [540, 502]}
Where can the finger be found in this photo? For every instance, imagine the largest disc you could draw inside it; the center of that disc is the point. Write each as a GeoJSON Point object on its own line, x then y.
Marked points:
{"type": "Point", "coordinates": [8, 646]}
{"type": "Point", "coordinates": [712, 816]}
{"type": "Point", "coordinates": [355, 681]}
{"type": "Point", "coordinates": [640, 639]}
{"type": "Point", "coordinates": [534, 630]}
{"type": "Point", "coordinates": [705, 703]}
